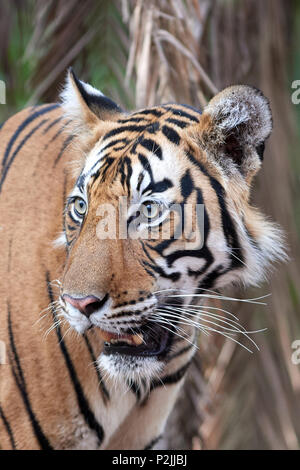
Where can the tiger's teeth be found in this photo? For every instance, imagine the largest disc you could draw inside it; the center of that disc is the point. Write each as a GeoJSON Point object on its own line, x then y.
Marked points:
{"type": "Point", "coordinates": [121, 340]}
{"type": "Point", "coordinates": [135, 340]}
{"type": "Point", "coordinates": [114, 338]}
{"type": "Point", "coordinates": [138, 339]}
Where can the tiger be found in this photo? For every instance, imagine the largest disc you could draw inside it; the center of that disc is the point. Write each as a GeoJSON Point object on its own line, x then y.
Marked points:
{"type": "Point", "coordinates": [100, 327]}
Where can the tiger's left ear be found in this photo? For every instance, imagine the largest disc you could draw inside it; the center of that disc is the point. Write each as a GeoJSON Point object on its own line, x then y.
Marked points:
{"type": "Point", "coordinates": [234, 127]}
{"type": "Point", "coordinates": [85, 106]}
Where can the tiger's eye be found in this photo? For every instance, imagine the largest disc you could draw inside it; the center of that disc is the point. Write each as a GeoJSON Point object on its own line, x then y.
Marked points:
{"type": "Point", "coordinates": [80, 206]}
{"type": "Point", "coordinates": [150, 209]}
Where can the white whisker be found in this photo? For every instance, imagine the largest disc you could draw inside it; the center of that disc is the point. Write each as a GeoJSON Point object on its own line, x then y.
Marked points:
{"type": "Point", "coordinates": [164, 322]}
{"type": "Point", "coordinates": [208, 296]}
{"type": "Point", "coordinates": [220, 318]}
{"type": "Point", "coordinates": [233, 329]}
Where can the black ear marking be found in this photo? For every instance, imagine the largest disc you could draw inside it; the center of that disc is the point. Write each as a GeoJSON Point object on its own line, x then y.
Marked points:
{"type": "Point", "coordinates": [233, 149]}
{"type": "Point", "coordinates": [260, 150]}
{"type": "Point", "coordinates": [97, 102]}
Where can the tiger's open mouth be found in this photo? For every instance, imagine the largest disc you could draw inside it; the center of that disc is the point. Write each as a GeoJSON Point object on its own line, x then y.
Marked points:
{"type": "Point", "coordinates": [149, 340]}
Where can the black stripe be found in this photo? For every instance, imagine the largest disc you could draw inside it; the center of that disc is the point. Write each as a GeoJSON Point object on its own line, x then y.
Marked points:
{"type": "Point", "coordinates": [209, 280]}
{"type": "Point", "coordinates": [100, 378]}
{"type": "Point", "coordinates": [180, 352]}
{"type": "Point", "coordinates": [153, 128]}
{"type": "Point", "coordinates": [146, 165]}
{"type": "Point", "coordinates": [80, 181]}
{"type": "Point", "coordinates": [149, 272]}
{"type": "Point", "coordinates": [134, 119]}
{"type": "Point", "coordinates": [173, 276]}
{"type": "Point", "coordinates": [171, 135]}
{"type": "Point", "coordinates": [63, 148]}
{"type": "Point", "coordinates": [153, 147]}
{"type": "Point", "coordinates": [71, 228]}
{"type": "Point", "coordinates": [64, 205]}
{"type": "Point", "coordinates": [129, 174]}
{"type": "Point", "coordinates": [20, 381]}
{"type": "Point", "coordinates": [107, 162]}
{"type": "Point", "coordinates": [76, 222]}
{"type": "Point", "coordinates": [52, 124]}
{"type": "Point", "coordinates": [10, 161]}
{"type": "Point", "coordinates": [152, 443]}
{"type": "Point", "coordinates": [227, 223]}
{"type": "Point", "coordinates": [181, 113]}
{"type": "Point", "coordinates": [203, 252]}
{"type": "Point", "coordinates": [125, 177]}
{"type": "Point", "coordinates": [146, 251]}
{"type": "Point", "coordinates": [119, 130]}
{"type": "Point", "coordinates": [60, 131]}
{"type": "Point", "coordinates": [186, 185]}
{"type": "Point", "coordinates": [152, 111]}
{"type": "Point", "coordinates": [24, 124]}
{"type": "Point", "coordinates": [158, 187]}
{"type": "Point", "coordinates": [8, 428]}
{"type": "Point", "coordinates": [81, 399]}
{"type": "Point", "coordinates": [170, 379]}
{"type": "Point", "coordinates": [135, 388]}
{"type": "Point", "coordinates": [181, 124]}
{"type": "Point", "coordinates": [140, 180]}
{"type": "Point", "coordinates": [112, 143]}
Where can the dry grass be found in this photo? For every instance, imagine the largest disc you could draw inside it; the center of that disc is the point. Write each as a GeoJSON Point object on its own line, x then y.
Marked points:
{"type": "Point", "coordinates": [156, 51]}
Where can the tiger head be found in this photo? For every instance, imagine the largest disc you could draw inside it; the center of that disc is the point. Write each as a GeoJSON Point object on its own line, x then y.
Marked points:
{"type": "Point", "coordinates": [160, 215]}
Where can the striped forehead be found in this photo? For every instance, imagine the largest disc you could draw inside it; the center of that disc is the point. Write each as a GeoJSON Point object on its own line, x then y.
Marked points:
{"type": "Point", "coordinates": [150, 136]}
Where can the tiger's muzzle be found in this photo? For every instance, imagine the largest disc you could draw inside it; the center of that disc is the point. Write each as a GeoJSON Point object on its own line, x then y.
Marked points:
{"type": "Point", "coordinates": [124, 331]}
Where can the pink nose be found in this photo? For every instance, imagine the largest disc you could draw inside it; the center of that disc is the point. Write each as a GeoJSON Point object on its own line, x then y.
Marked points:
{"type": "Point", "coordinates": [86, 305]}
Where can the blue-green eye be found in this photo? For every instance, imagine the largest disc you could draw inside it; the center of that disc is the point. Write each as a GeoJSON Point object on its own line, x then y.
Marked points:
{"type": "Point", "coordinates": [80, 206]}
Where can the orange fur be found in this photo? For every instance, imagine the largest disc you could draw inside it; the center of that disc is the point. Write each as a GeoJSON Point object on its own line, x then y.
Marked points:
{"type": "Point", "coordinates": [49, 388]}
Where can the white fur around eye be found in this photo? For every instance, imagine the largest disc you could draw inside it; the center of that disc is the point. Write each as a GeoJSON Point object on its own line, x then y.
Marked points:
{"type": "Point", "coordinates": [60, 241]}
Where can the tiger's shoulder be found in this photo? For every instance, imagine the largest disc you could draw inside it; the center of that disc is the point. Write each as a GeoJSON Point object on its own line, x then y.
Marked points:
{"type": "Point", "coordinates": [35, 128]}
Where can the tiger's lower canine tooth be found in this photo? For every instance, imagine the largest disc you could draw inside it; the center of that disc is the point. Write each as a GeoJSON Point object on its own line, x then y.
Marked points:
{"type": "Point", "coordinates": [138, 339]}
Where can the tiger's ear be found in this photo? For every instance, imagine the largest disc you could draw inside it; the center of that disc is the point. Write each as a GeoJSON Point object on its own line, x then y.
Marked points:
{"type": "Point", "coordinates": [234, 127]}
{"type": "Point", "coordinates": [85, 106]}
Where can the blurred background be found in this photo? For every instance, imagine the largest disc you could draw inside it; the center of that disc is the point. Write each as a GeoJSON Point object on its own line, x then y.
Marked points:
{"type": "Point", "coordinates": [142, 53]}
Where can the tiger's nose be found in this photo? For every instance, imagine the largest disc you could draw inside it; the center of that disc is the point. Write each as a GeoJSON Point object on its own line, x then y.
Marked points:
{"type": "Point", "coordinates": [86, 305]}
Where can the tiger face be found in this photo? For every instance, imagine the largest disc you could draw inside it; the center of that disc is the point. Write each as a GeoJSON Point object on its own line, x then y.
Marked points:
{"type": "Point", "coordinates": [159, 215]}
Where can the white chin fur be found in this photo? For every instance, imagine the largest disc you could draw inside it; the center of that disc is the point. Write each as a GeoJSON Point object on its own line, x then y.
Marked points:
{"type": "Point", "coordinates": [129, 368]}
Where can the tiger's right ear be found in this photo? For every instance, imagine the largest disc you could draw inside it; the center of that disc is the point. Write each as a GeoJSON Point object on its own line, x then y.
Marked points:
{"type": "Point", "coordinates": [85, 106]}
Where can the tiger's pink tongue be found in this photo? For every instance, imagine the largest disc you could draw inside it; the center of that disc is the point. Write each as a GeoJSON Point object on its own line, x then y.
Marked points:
{"type": "Point", "coordinates": [135, 340]}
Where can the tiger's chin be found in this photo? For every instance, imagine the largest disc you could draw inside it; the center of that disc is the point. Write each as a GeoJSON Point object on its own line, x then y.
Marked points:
{"type": "Point", "coordinates": [131, 369]}
{"type": "Point", "coordinates": [139, 355]}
